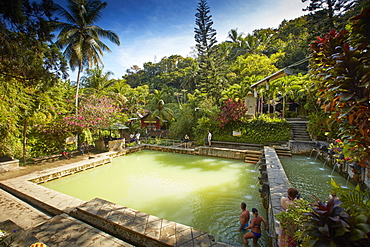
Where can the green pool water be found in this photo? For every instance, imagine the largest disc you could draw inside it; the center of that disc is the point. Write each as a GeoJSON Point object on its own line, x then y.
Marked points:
{"type": "Point", "coordinates": [198, 191]}
{"type": "Point", "coordinates": [311, 176]}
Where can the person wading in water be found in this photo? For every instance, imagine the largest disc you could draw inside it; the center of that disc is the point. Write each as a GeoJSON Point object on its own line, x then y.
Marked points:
{"type": "Point", "coordinates": [244, 217]}
{"type": "Point", "coordinates": [255, 227]}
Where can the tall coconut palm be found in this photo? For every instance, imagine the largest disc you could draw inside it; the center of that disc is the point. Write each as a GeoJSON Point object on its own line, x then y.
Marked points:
{"type": "Point", "coordinates": [80, 38]}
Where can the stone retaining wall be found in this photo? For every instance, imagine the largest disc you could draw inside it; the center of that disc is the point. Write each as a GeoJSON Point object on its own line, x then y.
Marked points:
{"type": "Point", "coordinates": [301, 147]}
{"type": "Point", "coordinates": [223, 152]}
{"type": "Point", "coordinates": [51, 176]}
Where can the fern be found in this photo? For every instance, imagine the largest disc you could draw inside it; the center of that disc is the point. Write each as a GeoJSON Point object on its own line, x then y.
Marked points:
{"type": "Point", "coordinates": [354, 201]}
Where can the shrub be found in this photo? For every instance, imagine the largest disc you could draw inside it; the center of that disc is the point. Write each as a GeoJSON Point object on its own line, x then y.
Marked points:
{"type": "Point", "coordinates": [261, 130]}
{"type": "Point", "coordinates": [293, 222]}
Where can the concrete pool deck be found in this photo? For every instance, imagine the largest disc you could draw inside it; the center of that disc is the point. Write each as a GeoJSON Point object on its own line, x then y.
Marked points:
{"type": "Point", "coordinates": [56, 219]}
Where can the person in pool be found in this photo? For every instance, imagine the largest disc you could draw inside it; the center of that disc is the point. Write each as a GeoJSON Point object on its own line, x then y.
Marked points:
{"type": "Point", "coordinates": [292, 196]}
{"type": "Point", "coordinates": [244, 217]}
{"type": "Point", "coordinates": [255, 227]}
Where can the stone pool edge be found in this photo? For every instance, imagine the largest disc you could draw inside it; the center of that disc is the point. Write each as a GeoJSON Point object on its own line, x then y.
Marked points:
{"type": "Point", "coordinates": [144, 231]}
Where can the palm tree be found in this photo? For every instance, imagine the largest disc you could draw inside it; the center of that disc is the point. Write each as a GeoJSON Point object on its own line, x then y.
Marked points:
{"type": "Point", "coordinates": [80, 37]}
{"type": "Point", "coordinates": [97, 81]}
{"type": "Point", "coordinates": [164, 114]}
{"type": "Point", "coordinates": [191, 77]}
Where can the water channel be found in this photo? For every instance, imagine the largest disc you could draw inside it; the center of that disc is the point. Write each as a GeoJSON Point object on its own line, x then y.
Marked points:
{"type": "Point", "coordinates": [311, 176]}
{"type": "Point", "coordinates": [198, 191]}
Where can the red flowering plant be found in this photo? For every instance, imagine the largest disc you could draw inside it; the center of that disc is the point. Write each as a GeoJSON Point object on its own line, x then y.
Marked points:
{"type": "Point", "coordinates": [340, 61]}
{"type": "Point", "coordinates": [343, 150]}
{"type": "Point", "coordinates": [231, 111]}
{"type": "Point", "coordinates": [93, 113]}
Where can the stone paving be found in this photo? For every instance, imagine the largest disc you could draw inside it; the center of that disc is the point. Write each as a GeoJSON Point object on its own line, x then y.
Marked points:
{"type": "Point", "coordinates": [63, 230]}
{"type": "Point", "coordinates": [12, 208]}
{"type": "Point", "coordinates": [138, 227]}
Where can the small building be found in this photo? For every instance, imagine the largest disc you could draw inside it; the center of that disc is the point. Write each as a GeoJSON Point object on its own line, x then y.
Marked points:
{"type": "Point", "coordinates": [150, 123]}
{"type": "Point", "coordinates": [255, 102]}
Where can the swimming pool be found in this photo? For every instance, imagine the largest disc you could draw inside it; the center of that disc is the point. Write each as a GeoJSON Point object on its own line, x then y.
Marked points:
{"type": "Point", "coordinates": [199, 191]}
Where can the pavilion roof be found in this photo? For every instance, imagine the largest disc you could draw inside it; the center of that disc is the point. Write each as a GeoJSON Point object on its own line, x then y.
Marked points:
{"type": "Point", "coordinates": [283, 72]}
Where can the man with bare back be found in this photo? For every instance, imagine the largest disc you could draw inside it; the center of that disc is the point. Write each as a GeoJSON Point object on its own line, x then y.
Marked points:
{"type": "Point", "coordinates": [244, 217]}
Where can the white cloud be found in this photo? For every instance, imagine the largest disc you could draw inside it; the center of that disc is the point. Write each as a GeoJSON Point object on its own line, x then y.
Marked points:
{"type": "Point", "coordinates": [141, 47]}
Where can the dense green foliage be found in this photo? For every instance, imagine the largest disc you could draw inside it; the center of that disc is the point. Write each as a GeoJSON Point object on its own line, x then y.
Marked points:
{"type": "Point", "coordinates": [340, 62]}
{"type": "Point", "coordinates": [261, 130]}
{"type": "Point", "coordinates": [186, 94]}
{"type": "Point", "coordinates": [293, 222]}
{"type": "Point", "coordinates": [341, 221]}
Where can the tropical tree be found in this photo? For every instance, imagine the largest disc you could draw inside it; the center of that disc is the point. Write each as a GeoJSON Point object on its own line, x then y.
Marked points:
{"type": "Point", "coordinates": [96, 81]}
{"type": "Point", "coordinates": [252, 65]}
{"type": "Point", "coordinates": [95, 113]}
{"type": "Point", "coordinates": [237, 43]}
{"type": "Point", "coordinates": [287, 87]}
{"type": "Point", "coordinates": [340, 63]}
{"type": "Point", "coordinates": [80, 37]}
{"type": "Point", "coordinates": [131, 100]}
{"type": "Point", "coordinates": [12, 96]}
{"type": "Point", "coordinates": [213, 70]}
{"type": "Point", "coordinates": [293, 39]}
{"type": "Point", "coordinates": [328, 14]}
{"type": "Point", "coordinates": [205, 34]}
{"type": "Point", "coordinates": [191, 79]}
{"type": "Point", "coordinates": [30, 65]}
{"type": "Point", "coordinates": [163, 113]}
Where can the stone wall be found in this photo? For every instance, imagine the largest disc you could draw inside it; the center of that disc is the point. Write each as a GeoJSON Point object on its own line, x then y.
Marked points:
{"type": "Point", "coordinates": [301, 147]}
{"type": "Point", "coordinates": [116, 145]}
{"type": "Point", "coordinates": [278, 184]}
{"type": "Point", "coordinates": [223, 152]}
{"type": "Point", "coordinates": [354, 173]}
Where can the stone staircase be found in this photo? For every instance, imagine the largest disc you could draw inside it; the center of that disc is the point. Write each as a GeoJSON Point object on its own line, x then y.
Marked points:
{"type": "Point", "coordinates": [253, 156]}
{"type": "Point", "coordinates": [282, 151]}
{"type": "Point", "coordinates": [299, 129]}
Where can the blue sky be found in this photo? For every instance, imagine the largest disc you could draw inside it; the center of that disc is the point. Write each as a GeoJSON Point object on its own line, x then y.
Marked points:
{"type": "Point", "coordinates": [152, 29]}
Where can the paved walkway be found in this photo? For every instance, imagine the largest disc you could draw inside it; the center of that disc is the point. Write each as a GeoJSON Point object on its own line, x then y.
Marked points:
{"type": "Point", "coordinates": [19, 212]}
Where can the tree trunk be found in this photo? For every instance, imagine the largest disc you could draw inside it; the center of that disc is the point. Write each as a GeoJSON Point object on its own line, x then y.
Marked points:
{"type": "Point", "coordinates": [24, 141]}
{"type": "Point", "coordinates": [77, 89]}
{"type": "Point", "coordinates": [78, 86]}
{"type": "Point", "coordinates": [283, 107]}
